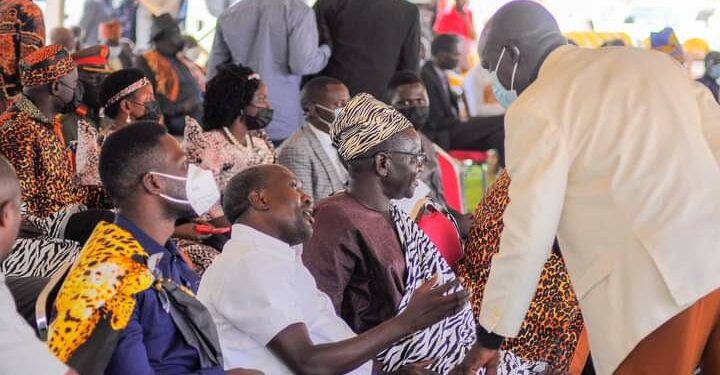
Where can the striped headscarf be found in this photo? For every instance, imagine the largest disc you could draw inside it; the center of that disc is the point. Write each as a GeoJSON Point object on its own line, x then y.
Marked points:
{"type": "Point", "coordinates": [364, 123]}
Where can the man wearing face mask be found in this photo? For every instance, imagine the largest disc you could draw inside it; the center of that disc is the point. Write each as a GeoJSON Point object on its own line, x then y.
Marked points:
{"type": "Point", "coordinates": [178, 82]}
{"type": "Point", "coordinates": [445, 126]}
{"type": "Point", "coordinates": [711, 78]}
{"type": "Point", "coordinates": [147, 321]}
{"type": "Point", "coordinates": [31, 134]}
{"type": "Point", "coordinates": [92, 68]}
{"type": "Point", "coordinates": [623, 168]}
{"type": "Point", "coordinates": [309, 152]}
{"type": "Point", "coordinates": [407, 93]}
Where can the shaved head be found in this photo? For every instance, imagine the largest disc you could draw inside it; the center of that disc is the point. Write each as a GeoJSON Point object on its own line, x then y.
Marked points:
{"type": "Point", "coordinates": [527, 33]}
{"type": "Point", "coordinates": [9, 186]}
{"type": "Point", "coordinates": [9, 207]}
{"type": "Point", "coordinates": [64, 37]}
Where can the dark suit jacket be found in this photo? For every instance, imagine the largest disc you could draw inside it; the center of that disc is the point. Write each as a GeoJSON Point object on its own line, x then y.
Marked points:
{"type": "Point", "coordinates": [443, 110]}
{"type": "Point", "coordinates": [372, 39]}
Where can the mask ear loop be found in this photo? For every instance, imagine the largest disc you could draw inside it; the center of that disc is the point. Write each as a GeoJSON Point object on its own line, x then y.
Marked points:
{"type": "Point", "coordinates": [500, 59]}
{"type": "Point", "coordinates": [512, 79]}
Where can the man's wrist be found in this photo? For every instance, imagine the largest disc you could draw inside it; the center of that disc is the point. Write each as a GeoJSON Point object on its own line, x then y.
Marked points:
{"type": "Point", "coordinates": [489, 340]}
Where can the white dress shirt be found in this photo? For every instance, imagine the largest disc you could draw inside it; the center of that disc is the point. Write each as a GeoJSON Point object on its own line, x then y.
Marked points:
{"type": "Point", "coordinates": [20, 351]}
{"type": "Point", "coordinates": [330, 151]}
{"type": "Point", "coordinates": [258, 287]}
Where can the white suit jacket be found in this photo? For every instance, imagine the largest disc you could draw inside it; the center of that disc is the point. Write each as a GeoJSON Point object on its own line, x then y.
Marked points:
{"type": "Point", "coordinates": [616, 151]}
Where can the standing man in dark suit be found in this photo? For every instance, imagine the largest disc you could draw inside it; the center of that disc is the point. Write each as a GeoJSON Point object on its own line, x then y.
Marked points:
{"type": "Point", "coordinates": [372, 39]}
{"type": "Point", "coordinates": [445, 127]}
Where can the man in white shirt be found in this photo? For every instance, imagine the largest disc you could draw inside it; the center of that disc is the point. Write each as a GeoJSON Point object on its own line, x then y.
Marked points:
{"type": "Point", "coordinates": [20, 351]}
{"type": "Point", "coordinates": [269, 313]}
{"type": "Point", "coordinates": [309, 152]}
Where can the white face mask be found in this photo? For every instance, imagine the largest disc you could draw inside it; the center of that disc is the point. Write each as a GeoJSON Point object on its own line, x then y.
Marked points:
{"type": "Point", "coordinates": [335, 112]}
{"type": "Point", "coordinates": [200, 187]}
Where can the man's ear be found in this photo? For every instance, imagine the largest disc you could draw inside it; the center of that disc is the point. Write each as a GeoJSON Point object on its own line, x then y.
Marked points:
{"type": "Point", "coordinates": [312, 111]}
{"type": "Point", "coordinates": [54, 87]}
{"type": "Point", "coordinates": [6, 213]}
{"type": "Point", "coordinates": [382, 164]}
{"type": "Point", "coordinates": [151, 184]}
{"type": "Point", "coordinates": [259, 200]}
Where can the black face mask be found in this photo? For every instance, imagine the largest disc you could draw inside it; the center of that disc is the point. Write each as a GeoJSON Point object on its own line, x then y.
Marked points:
{"type": "Point", "coordinates": [152, 111]}
{"type": "Point", "coordinates": [70, 106]}
{"type": "Point", "coordinates": [90, 96]}
{"type": "Point", "coordinates": [261, 120]}
{"type": "Point", "coordinates": [418, 116]}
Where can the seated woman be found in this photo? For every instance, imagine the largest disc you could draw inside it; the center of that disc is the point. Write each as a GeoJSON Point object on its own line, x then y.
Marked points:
{"type": "Point", "coordinates": [231, 139]}
{"type": "Point", "coordinates": [553, 329]}
{"type": "Point", "coordinates": [125, 96]}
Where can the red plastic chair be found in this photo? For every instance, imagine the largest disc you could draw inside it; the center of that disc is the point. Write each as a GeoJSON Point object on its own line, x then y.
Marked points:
{"type": "Point", "coordinates": [442, 231]}
{"type": "Point", "coordinates": [450, 178]}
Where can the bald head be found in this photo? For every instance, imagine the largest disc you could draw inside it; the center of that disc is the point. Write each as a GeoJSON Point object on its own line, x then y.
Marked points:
{"type": "Point", "coordinates": [63, 37]}
{"type": "Point", "coordinates": [9, 186]}
{"type": "Point", "coordinates": [527, 32]}
{"type": "Point", "coordinates": [9, 207]}
{"type": "Point", "coordinates": [270, 199]}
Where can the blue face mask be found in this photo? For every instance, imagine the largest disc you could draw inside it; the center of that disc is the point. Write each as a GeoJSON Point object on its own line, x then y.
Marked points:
{"type": "Point", "coordinates": [714, 71]}
{"type": "Point", "coordinates": [504, 96]}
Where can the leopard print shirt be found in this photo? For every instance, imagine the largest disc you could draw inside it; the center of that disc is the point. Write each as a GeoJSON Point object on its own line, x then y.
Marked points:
{"type": "Point", "coordinates": [43, 168]}
{"type": "Point", "coordinates": [101, 285]}
{"type": "Point", "coordinates": [553, 325]}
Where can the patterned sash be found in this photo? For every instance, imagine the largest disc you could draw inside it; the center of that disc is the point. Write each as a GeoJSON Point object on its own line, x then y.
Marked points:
{"type": "Point", "coordinates": [445, 342]}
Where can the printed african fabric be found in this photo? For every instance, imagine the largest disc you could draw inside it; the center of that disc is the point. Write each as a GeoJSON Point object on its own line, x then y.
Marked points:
{"type": "Point", "coordinates": [448, 341]}
{"type": "Point", "coordinates": [22, 31]}
{"type": "Point", "coordinates": [96, 300]}
{"type": "Point", "coordinates": [554, 324]}
{"type": "Point", "coordinates": [28, 141]}
{"type": "Point", "coordinates": [43, 255]}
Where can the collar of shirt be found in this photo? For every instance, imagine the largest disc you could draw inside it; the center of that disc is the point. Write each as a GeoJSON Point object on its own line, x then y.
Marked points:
{"type": "Point", "coordinates": [247, 234]}
{"type": "Point", "coordinates": [26, 105]}
{"type": "Point", "coordinates": [330, 150]}
{"type": "Point", "coordinates": [171, 265]}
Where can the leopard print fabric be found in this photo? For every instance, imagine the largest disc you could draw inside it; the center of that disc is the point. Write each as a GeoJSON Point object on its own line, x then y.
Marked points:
{"type": "Point", "coordinates": [44, 171]}
{"type": "Point", "coordinates": [87, 157]}
{"type": "Point", "coordinates": [553, 325]}
{"type": "Point", "coordinates": [22, 31]}
{"type": "Point", "coordinates": [100, 285]}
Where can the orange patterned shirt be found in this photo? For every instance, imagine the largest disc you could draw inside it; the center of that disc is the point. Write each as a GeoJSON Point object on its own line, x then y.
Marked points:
{"type": "Point", "coordinates": [553, 326]}
{"type": "Point", "coordinates": [42, 165]}
{"type": "Point", "coordinates": [22, 31]}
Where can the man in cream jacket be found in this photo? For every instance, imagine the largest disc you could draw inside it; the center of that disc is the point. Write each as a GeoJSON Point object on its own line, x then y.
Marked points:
{"type": "Point", "coordinates": [615, 151]}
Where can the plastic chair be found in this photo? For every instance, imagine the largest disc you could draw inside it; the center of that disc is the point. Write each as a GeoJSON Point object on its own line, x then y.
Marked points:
{"type": "Point", "coordinates": [451, 180]}
{"type": "Point", "coordinates": [442, 230]}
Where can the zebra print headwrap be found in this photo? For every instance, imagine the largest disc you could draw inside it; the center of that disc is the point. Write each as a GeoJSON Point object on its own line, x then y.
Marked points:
{"type": "Point", "coordinates": [364, 123]}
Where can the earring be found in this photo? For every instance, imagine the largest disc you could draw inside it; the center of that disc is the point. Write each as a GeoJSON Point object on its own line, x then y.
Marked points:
{"type": "Point", "coordinates": [127, 119]}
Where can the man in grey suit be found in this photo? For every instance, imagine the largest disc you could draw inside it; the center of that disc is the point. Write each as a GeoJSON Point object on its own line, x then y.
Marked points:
{"type": "Point", "coordinates": [309, 152]}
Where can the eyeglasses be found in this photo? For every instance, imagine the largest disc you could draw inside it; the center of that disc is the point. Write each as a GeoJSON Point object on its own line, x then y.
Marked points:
{"type": "Point", "coordinates": [420, 158]}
